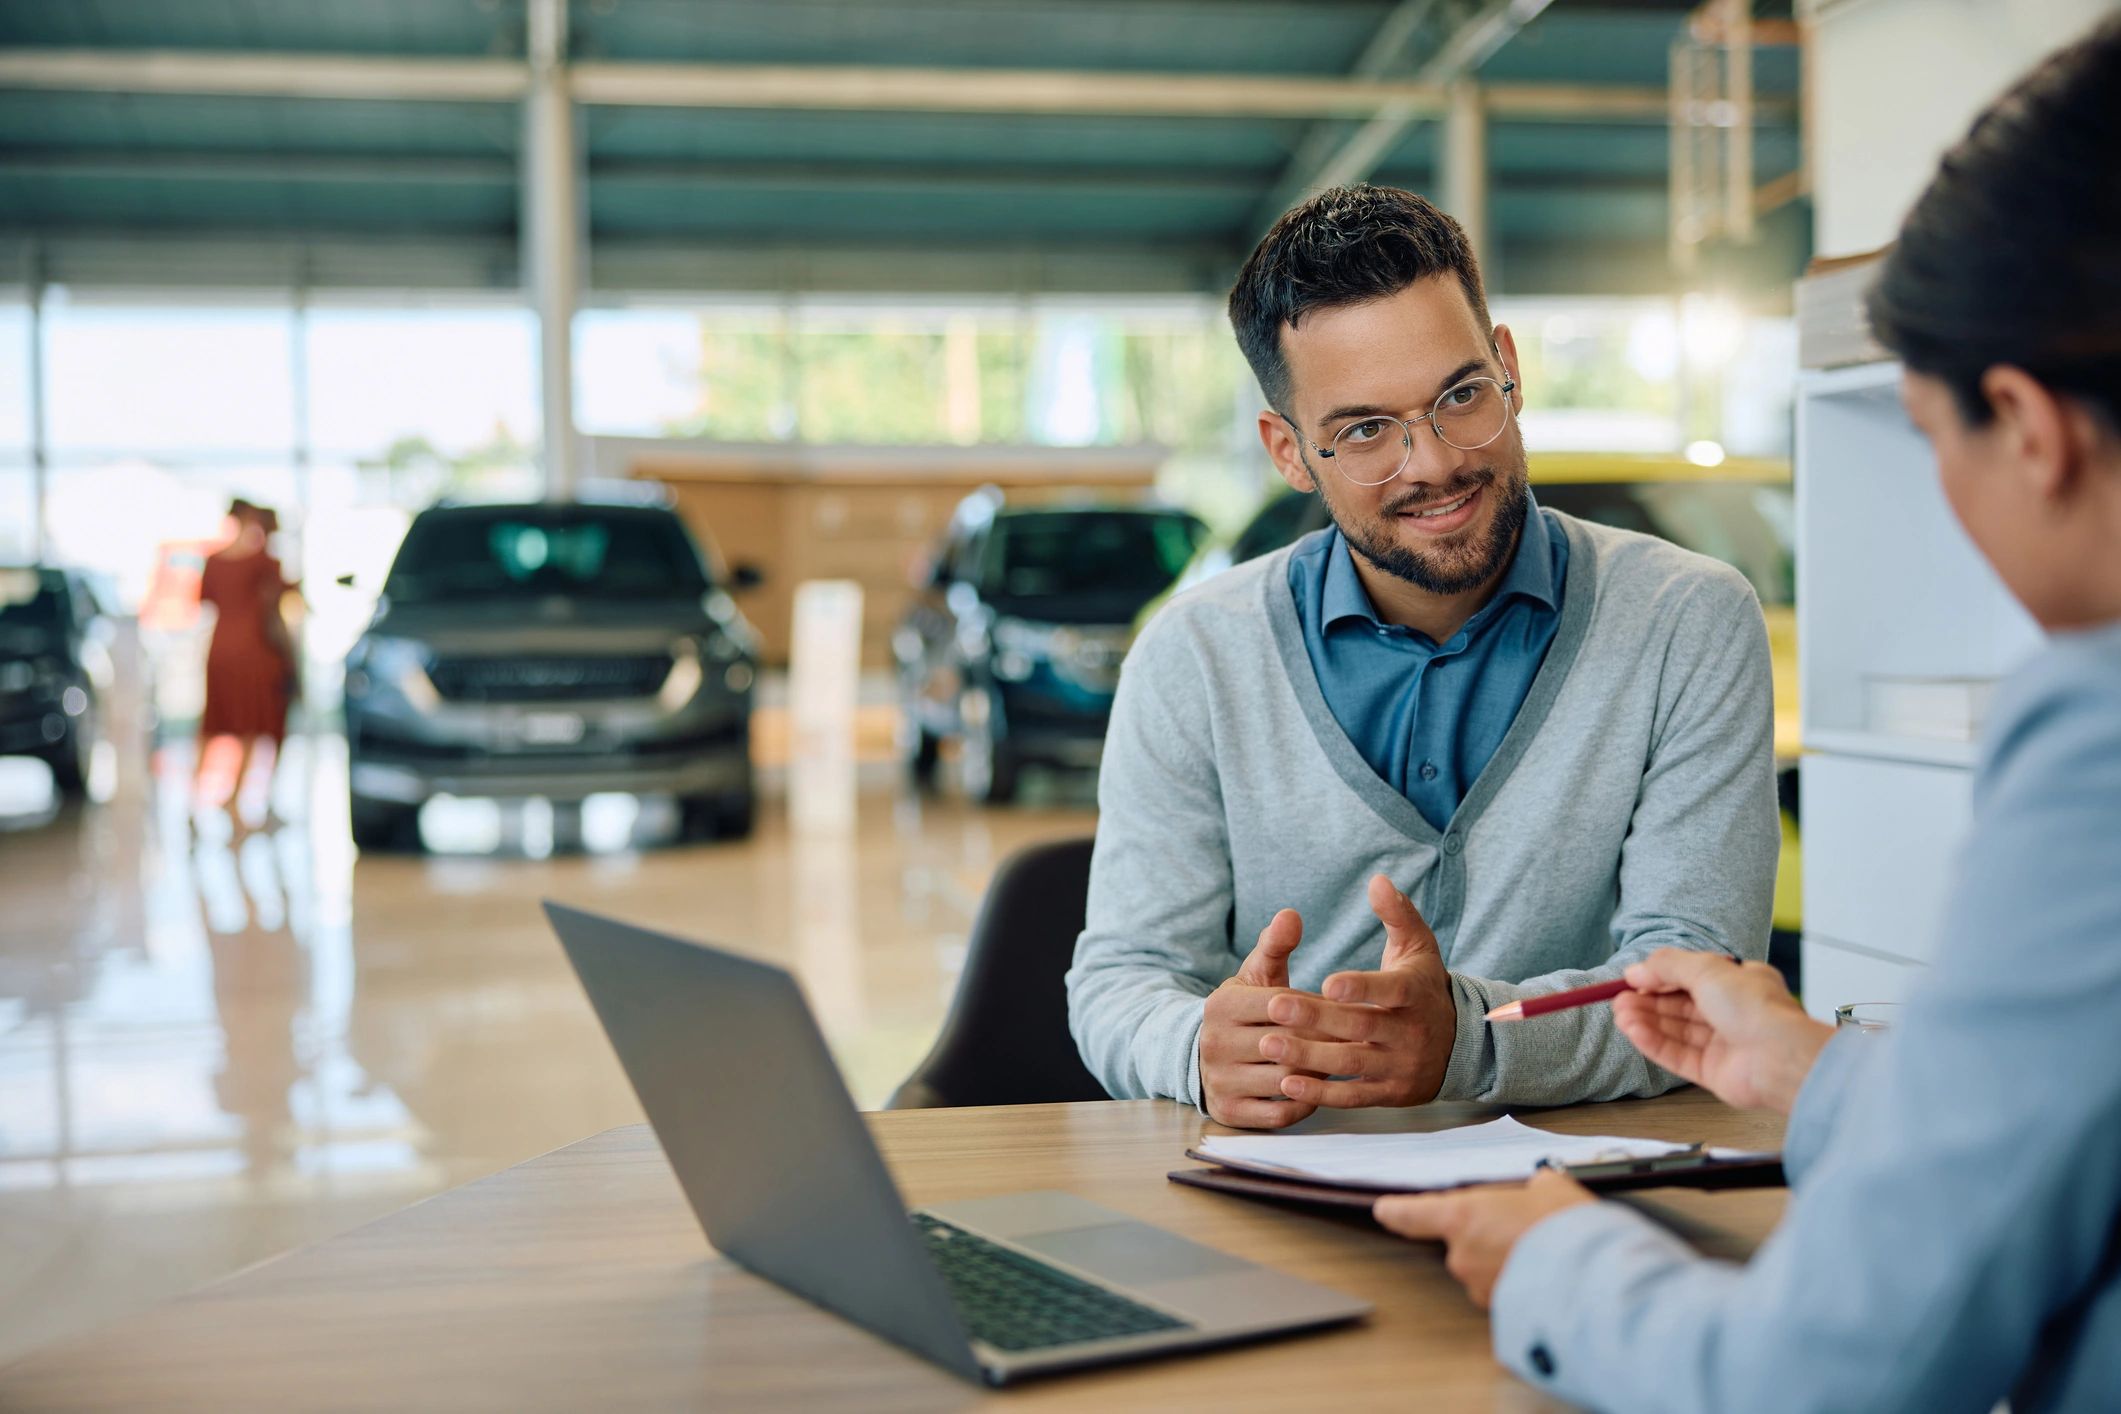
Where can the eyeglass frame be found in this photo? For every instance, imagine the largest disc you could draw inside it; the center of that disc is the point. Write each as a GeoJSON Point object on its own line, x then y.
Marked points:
{"type": "Point", "coordinates": [1508, 386]}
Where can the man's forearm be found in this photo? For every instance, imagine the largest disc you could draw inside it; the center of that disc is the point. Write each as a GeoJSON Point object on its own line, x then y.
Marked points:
{"type": "Point", "coordinates": [1138, 1029]}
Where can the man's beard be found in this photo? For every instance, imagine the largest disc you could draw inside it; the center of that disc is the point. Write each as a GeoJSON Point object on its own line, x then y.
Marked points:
{"type": "Point", "coordinates": [1447, 569]}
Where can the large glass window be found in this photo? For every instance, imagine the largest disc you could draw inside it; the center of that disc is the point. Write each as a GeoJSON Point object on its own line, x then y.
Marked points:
{"type": "Point", "coordinates": [427, 399]}
{"type": "Point", "coordinates": [203, 381]}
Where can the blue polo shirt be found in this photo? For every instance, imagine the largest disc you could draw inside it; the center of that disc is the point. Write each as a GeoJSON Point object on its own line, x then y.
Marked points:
{"type": "Point", "coordinates": [1427, 716]}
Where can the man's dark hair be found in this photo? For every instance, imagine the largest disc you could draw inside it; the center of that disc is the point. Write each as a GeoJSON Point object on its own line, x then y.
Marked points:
{"type": "Point", "coordinates": [2012, 254]}
{"type": "Point", "coordinates": [1346, 245]}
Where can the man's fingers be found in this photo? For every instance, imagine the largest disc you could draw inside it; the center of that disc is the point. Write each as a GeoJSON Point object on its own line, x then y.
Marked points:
{"type": "Point", "coordinates": [1424, 1217]}
{"type": "Point", "coordinates": [1407, 934]}
{"type": "Point", "coordinates": [1253, 1080]}
{"type": "Point", "coordinates": [1393, 988]}
{"type": "Point", "coordinates": [1268, 963]}
{"type": "Point", "coordinates": [1316, 1057]}
{"type": "Point", "coordinates": [1260, 1114]}
{"type": "Point", "coordinates": [1336, 1094]}
{"type": "Point", "coordinates": [1333, 1021]}
{"type": "Point", "coordinates": [1246, 1006]}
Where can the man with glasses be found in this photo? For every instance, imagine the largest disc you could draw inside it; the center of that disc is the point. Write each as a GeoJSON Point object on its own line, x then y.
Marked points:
{"type": "Point", "coordinates": [1454, 750]}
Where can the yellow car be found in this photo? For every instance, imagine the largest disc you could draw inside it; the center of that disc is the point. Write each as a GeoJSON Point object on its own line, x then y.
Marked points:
{"type": "Point", "coordinates": [1742, 512]}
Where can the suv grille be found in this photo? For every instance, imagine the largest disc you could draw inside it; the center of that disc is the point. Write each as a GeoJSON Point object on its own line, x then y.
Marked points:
{"type": "Point", "coordinates": [547, 679]}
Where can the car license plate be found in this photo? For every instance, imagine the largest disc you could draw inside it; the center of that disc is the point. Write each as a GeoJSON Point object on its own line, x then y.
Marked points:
{"type": "Point", "coordinates": [549, 728]}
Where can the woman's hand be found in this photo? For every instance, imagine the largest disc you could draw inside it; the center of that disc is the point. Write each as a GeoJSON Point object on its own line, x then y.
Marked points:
{"type": "Point", "coordinates": [1480, 1226]}
{"type": "Point", "coordinates": [1736, 1031]}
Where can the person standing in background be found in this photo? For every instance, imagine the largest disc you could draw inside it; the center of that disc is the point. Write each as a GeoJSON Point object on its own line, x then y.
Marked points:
{"type": "Point", "coordinates": [249, 659]}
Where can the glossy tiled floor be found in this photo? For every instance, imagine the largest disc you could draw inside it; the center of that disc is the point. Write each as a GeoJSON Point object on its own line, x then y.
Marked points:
{"type": "Point", "coordinates": [213, 1048]}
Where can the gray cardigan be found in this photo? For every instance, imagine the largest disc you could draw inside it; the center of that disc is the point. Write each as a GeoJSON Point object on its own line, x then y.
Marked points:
{"type": "Point", "coordinates": [1630, 807]}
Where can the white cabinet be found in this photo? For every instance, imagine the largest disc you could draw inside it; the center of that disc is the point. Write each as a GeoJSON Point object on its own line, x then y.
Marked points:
{"type": "Point", "coordinates": [1890, 592]}
{"type": "Point", "coordinates": [1881, 842]}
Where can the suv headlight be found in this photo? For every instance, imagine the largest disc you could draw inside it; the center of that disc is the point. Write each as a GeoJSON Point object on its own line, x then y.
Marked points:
{"type": "Point", "coordinates": [685, 676]}
{"type": "Point", "coordinates": [1020, 646]}
{"type": "Point", "coordinates": [1022, 636]}
{"type": "Point", "coordinates": [400, 663]}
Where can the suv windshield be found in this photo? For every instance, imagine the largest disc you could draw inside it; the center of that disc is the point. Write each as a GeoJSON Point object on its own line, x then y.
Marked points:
{"type": "Point", "coordinates": [531, 551]}
{"type": "Point", "coordinates": [1062, 554]}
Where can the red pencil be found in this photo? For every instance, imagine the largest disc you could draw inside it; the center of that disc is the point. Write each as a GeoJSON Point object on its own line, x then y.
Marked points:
{"type": "Point", "coordinates": [1562, 1001]}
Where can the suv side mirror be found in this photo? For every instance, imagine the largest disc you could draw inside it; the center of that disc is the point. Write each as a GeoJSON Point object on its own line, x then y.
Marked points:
{"type": "Point", "coordinates": [746, 576]}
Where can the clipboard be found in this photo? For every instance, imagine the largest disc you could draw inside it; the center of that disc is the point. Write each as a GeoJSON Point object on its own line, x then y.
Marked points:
{"type": "Point", "coordinates": [1689, 1168]}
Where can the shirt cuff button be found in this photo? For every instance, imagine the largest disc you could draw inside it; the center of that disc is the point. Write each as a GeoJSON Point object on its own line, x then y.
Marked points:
{"type": "Point", "coordinates": [1542, 1360]}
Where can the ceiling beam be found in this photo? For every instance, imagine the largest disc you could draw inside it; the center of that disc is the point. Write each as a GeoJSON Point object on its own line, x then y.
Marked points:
{"type": "Point", "coordinates": [1079, 93]}
{"type": "Point", "coordinates": [833, 88]}
{"type": "Point", "coordinates": [259, 75]}
{"type": "Point", "coordinates": [296, 168]}
{"type": "Point", "coordinates": [1330, 157]}
{"type": "Point", "coordinates": [310, 168]}
{"type": "Point", "coordinates": [326, 168]}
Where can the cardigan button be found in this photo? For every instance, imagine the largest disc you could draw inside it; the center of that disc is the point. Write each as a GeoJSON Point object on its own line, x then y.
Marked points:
{"type": "Point", "coordinates": [1542, 1360]}
{"type": "Point", "coordinates": [1452, 844]}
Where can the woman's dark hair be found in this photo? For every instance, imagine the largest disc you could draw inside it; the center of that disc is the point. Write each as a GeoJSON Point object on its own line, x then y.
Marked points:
{"type": "Point", "coordinates": [2012, 254]}
{"type": "Point", "coordinates": [1347, 245]}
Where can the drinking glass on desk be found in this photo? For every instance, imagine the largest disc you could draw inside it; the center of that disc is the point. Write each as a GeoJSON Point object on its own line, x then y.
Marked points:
{"type": "Point", "coordinates": [1868, 1016]}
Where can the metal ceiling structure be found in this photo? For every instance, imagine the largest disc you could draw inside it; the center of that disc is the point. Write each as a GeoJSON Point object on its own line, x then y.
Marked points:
{"type": "Point", "coordinates": [1012, 147]}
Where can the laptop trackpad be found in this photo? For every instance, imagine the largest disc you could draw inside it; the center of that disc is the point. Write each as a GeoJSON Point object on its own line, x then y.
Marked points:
{"type": "Point", "coordinates": [1132, 1254]}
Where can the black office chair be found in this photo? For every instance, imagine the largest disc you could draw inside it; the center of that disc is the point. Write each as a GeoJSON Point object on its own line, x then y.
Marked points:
{"type": "Point", "coordinates": [1006, 1040]}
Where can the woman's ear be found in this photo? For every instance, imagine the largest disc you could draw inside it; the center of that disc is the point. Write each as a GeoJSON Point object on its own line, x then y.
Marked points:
{"type": "Point", "coordinates": [2039, 442]}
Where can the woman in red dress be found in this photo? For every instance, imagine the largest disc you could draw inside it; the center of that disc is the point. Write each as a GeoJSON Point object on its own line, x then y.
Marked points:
{"type": "Point", "coordinates": [249, 661]}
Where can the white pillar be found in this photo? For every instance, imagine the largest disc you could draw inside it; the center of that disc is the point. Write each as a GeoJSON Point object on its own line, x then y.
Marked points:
{"type": "Point", "coordinates": [1465, 166]}
{"type": "Point", "coordinates": [551, 236]}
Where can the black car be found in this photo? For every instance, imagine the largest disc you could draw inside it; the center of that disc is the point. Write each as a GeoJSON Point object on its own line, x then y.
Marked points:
{"type": "Point", "coordinates": [55, 667]}
{"type": "Point", "coordinates": [1014, 643]}
{"type": "Point", "coordinates": [554, 649]}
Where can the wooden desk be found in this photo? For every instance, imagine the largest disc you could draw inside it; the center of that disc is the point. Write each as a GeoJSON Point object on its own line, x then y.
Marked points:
{"type": "Point", "coordinates": [580, 1281]}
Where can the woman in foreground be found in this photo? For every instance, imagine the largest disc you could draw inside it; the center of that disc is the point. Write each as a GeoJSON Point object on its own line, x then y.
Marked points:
{"type": "Point", "coordinates": [1954, 1236]}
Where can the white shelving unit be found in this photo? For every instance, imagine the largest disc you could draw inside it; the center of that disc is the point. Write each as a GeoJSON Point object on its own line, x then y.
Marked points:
{"type": "Point", "coordinates": [1888, 586]}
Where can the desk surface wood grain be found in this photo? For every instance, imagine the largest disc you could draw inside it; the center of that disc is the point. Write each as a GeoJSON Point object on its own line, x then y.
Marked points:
{"type": "Point", "coordinates": [579, 1280]}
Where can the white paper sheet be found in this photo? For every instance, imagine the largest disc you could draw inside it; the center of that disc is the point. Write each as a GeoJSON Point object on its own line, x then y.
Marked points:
{"type": "Point", "coordinates": [1500, 1151]}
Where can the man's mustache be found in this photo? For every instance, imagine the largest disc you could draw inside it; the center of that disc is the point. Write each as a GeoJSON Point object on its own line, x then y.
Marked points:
{"type": "Point", "coordinates": [1436, 496]}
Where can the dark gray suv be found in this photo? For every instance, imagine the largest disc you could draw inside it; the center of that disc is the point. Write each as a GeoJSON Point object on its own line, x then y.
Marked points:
{"type": "Point", "coordinates": [557, 649]}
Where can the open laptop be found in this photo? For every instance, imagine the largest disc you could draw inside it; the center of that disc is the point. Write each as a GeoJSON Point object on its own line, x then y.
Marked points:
{"type": "Point", "coordinates": [783, 1175]}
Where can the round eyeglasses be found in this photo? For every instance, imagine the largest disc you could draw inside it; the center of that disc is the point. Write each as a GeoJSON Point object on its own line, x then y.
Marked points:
{"type": "Point", "coordinates": [1372, 450]}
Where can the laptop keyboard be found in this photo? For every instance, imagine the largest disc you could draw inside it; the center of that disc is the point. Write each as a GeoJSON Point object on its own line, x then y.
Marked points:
{"type": "Point", "coordinates": [1014, 1302]}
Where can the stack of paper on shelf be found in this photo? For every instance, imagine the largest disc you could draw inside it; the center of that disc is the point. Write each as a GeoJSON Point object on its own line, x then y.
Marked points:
{"type": "Point", "coordinates": [1831, 327]}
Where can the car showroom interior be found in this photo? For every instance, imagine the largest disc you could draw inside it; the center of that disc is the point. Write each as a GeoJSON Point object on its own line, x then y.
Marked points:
{"type": "Point", "coordinates": [638, 635]}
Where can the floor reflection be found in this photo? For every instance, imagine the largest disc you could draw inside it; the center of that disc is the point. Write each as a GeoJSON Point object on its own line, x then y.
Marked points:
{"type": "Point", "coordinates": [217, 1044]}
